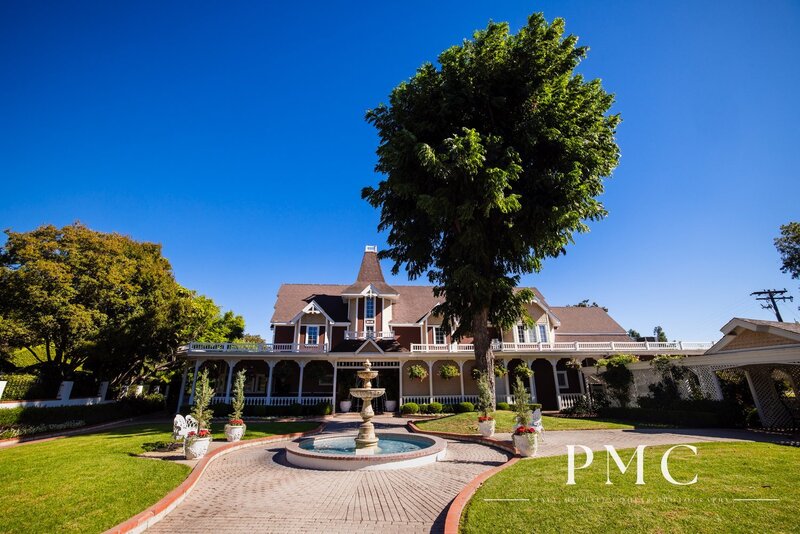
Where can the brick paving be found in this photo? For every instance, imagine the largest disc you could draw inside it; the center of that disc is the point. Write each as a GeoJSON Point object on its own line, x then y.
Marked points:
{"type": "Point", "coordinates": [254, 490]}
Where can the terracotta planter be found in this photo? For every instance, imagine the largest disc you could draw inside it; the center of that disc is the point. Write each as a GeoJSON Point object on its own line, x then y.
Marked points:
{"type": "Point", "coordinates": [234, 432]}
{"type": "Point", "coordinates": [344, 406]}
{"type": "Point", "coordinates": [526, 444]}
{"type": "Point", "coordinates": [391, 405]}
{"type": "Point", "coordinates": [486, 428]}
{"type": "Point", "coordinates": [195, 448]}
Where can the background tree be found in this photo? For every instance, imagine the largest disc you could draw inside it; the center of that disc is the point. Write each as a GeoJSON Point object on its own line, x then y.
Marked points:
{"type": "Point", "coordinates": [585, 304]}
{"type": "Point", "coordinates": [660, 335]}
{"type": "Point", "coordinates": [788, 245]}
{"type": "Point", "coordinates": [491, 163]}
{"type": "Point", "coordinates": [634, 335]}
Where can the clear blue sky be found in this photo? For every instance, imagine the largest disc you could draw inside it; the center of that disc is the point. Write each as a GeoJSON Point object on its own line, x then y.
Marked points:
{"type": "Point", "coordinates": [233, 134]}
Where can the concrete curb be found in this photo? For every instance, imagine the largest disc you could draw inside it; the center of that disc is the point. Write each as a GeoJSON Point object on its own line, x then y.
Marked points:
{"type": "Point", "coordinates": [503, 445]}
{"type": "Point", "coordinates": [159, 510]}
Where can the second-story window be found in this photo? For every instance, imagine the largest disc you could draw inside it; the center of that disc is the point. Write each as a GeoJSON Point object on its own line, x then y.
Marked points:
{"type": "Point", "coordinates": [543, 333]}
{"type": "Point", "coordinates": [312, 335]}
{"type": "Point", "coordinates": [526, 334]}
{"type": "Point", "coordinates": [369, 308]}
{"type": "Point", "coordinates": [370, 332]}
{"type": "Point", "coordinates": [438, 336]}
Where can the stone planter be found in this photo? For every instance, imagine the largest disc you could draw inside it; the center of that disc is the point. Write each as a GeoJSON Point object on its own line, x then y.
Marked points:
{"type": "Point", "coordinates": [391, 405]}
{"type": "Point", "coordinates": [234, 432]}
{"type": "Point", "coordinates": [195, 448]}
{"type": "Point", "coordinates": [344, 406]}
{"type": "Point", "coordinates": [486, 428]}
{"type": "Point", "coordinates": [526, 445]}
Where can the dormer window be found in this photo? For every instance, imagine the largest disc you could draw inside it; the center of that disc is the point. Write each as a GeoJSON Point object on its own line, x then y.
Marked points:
{"type": "Point", "coordinates": [543, 333]}
{"type": "Point", "coordinates": [312, 335]}
{"type": "Point", "coordinates": [526, 334]}
{"type": "Point", "coordinates": [438, 336]}
{"type": "Point", "coordinates": [369, 308]}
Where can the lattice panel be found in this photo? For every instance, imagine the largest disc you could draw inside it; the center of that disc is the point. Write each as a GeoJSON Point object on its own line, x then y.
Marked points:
{"type": "Point", "coordinates": [709, 383]}
{"type": "Point", "coordinates": [642, 379]}
{"type": "Point", "coordinates": [772, 410]}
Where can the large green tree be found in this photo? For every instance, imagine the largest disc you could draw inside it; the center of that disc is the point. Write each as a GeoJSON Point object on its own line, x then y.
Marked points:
{"type": "Point", "coordinates": [788, 245]}
{"type": "Point", "coordinates": [492, 162]}
{"type": "Point", "coordinates": [77, 298]}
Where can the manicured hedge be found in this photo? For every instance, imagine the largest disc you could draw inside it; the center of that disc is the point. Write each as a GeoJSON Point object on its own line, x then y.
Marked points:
{"type": "Point", "coordinates": [294, 410]}
{"type": "Point", "coordinates": [90, 415]}
{"type": "Point", "coordinates": [26, 387]}
{"type": "Point", "coordinates": [679, 418]}
{"type": "Point", "coordinates": [409, 408]}
{"type": "Point", "coordinates": [463, 407]}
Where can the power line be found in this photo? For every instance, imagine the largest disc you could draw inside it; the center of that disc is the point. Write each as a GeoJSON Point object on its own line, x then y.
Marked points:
{"type": "Point", "coordinates": [770, 295]}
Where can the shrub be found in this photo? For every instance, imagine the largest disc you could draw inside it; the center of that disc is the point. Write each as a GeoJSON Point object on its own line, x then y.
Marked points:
{"type": "Point", "coordinates": [221, 410]}
{"type": "Point", "coordinates": [25, 387]}
{"type": "Point", "coordinates": [409, 408]}
{"type": "Point", "coordinates": [435, 407]}
{"type": "Point", "coordinates": [581, 408]}
{"type": "Point", "coordinates": [618, 377]}
{"type": "Point", "coordinates": [423, 408]}
{"type": "Point", "coordinates": [323, 408]}
{"type": "Point", "coordinates": [449, 371]}
{"type": "Point", "coordinates": [447, 408]}
{"type": "Point", "coordinates": [503, 406]}
{"type": "Point", "coordinates": [92, 414]}
{"type": "Point", "coordinates": [464, 407]}
{"type": "Point", "coordinates": [680, 418]}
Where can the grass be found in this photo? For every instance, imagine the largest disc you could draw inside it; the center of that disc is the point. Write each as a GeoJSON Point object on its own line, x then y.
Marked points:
{"type": "Point", "coordinates": [90, 483]}
{"type": "Point", "coordinates": [467, 423]}
{"type": "Point", "coordinates": [262, 430]}
{"type": "Point", "coordinates": [725, 471]}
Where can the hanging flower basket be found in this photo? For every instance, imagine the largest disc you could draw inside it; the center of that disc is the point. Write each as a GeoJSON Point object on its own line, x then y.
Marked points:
{"type": "Point", "coordinates": [448, 372]}
{"type": "Point", "coordinates": [500, 370]}
{"type": "Point", "coordinates": [523, 371]}
{"type": "Point", "coordinates": [417, 372]}
{"type": "Point", "coordinates": [573, 363]}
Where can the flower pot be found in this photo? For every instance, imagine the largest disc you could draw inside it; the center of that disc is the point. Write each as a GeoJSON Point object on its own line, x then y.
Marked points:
{"type": "Point", "coordinates": [195, 448]}
{"type": "Point", "coordinates": [391, 405]}
{"type": "Point", "coordinates": [526, 444]}
{"type": "Point", "coordinates": [234, 432]}
{"type": "Point", "coordinates": [486, 428]}
{"type": "Point", "coordinates": [344, 406]}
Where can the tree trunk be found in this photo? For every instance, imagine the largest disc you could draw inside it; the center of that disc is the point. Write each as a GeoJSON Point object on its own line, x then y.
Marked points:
{"type": "Point", "coordinates": [483, 348]}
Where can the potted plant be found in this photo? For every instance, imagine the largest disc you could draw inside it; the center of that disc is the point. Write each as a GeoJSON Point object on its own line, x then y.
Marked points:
{"type": "Point", "coordinates": [391, 405]}
{"type": "Point", "coordinates": [486, 422]}
{"type": "Point", "coordinates": [526, 437]}
{"type": "Point", "coordinates": [235, 428]}
{"type": "Point", "coordinates": [196, 444]}
{"type": "Point", "coordinates": [345, 405]}
{"type": "Point", "coordinates": [417, 372]}
{"type": "Point", "coordinates": [449, 371]}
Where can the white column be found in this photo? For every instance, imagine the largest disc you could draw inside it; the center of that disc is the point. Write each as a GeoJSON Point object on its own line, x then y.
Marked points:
{"type": "Point", "coordinates": [555, 379]}
{"type": "Point", "coordinates": [531, 381]}
{"type": "Point", "coordinates": [302, 364]}
{"type": "Point", "coordinates": [271, 364]}
{"type": "Point", "coordinates": [333, 396]}
{"type": "Point", "coordinates": [461, 376]}
{"type": "Point", "coordinates": [400, 389]}
{"type": "Point", "coordinates": [231, 365]}
{"type": "Point", "coordinates": [581, 379]}
{"type": "Point", "coordinates": [430, 380]}
{"type": "Point", "coordinates": [505, 381]}
{"type": "Point", "coordinates": [194, 381]}
{"type": "Point", "coordinates": [182, 391]}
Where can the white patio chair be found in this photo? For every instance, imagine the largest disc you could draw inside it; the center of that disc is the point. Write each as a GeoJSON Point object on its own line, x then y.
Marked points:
{"type": "Point", "coordinates": [182, 426]}
{"type": "Point", "coordinates": [536, 422]}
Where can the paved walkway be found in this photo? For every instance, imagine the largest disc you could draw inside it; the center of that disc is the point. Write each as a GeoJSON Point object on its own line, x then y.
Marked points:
{"type": "Point", "coordinates": [254, 490]}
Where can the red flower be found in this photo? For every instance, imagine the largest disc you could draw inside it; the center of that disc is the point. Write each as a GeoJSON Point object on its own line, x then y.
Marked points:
{"type": "Point", "coordinates": [484, 418]}
{"type": "Point", "coordinates": [236, 422]}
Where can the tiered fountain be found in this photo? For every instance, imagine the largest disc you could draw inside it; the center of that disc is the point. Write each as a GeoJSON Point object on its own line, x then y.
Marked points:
{"type": "Point", "coordinates": [366, 450]}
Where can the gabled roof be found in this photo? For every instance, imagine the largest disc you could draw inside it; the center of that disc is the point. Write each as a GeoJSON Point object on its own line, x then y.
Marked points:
{"type": "Point", "coordinates": [370, 274]}
{"type": "Point", "coordinates": [588, 324]}
{"type": "Point", "coordinates": [292, 298]}
{"type": "Point", "coordinates": [359, 345]}
{"type": "Point", "coordinates": [771, 333]}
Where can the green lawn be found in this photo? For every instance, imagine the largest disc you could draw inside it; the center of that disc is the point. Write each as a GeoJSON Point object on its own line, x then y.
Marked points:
{"type": "Point", "coordinates": [262, 430]}
{"type": "Point", "coordinates": [725, 471]}
{"type": "Point", "coordinates": [467, 423]}
{"type": "Point", "coordinates": [90, 483]}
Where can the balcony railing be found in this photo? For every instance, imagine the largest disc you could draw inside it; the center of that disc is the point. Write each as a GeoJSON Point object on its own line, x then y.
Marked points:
{"type": "Point", "coordinates": [368, 334]}
{"type": "Point", "coordinates": [256, 347]}
{"type": "Point", "coordinates": [581, 346]}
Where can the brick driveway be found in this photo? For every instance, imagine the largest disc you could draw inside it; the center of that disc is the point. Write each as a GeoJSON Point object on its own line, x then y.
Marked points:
{"type": "Point", "coordinates": [254, 490]}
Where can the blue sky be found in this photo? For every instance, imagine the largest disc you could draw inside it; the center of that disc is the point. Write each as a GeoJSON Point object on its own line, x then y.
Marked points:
{"type": "Point", "coordinates": [233, 134]}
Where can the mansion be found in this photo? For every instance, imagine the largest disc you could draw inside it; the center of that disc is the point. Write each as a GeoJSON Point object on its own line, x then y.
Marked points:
{"type": "Point", "coordinates": [323, 333]}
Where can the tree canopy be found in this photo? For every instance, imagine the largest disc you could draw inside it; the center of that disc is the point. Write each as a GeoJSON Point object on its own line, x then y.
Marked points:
{"type": "Point", "coordinates": [788, 245]}
{"type": "Point", "coordinates": [585, 304]}
{"type": "Point", "coordinates": [76, 298]}
{"type": "Point", "coordinates": [491, 163]}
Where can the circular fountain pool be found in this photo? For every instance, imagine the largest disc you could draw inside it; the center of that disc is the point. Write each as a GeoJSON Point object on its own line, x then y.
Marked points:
{"type": "Point", "coordinates": [394, 451]}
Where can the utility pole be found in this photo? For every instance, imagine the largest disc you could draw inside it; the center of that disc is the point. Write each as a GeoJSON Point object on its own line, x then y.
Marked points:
{"type": "Point", "coordinates": [770, 295]}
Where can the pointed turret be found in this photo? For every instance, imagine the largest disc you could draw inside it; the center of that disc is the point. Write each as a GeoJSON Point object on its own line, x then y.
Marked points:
{"type": "Point", "coordinates": [370, 274]}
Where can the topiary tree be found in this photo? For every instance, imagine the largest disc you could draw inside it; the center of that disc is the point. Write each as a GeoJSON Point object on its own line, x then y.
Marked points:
{"type": "Point", "coordinates": [492, 161]}
{"type": "Point", "coordinates": [238, 396]}
{"type": "Point", "coordinates": [484, 405]}
{"type": "Point", "coordinates": [522, 403]}
{"type": "Point", "coordinates": [202, 401]}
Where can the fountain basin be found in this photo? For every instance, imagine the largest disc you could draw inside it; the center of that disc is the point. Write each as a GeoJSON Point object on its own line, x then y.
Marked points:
{"type": "Point", "coordinates": [338, 453]}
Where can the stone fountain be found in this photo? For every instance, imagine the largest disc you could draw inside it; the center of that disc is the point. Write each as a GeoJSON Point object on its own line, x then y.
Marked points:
{"type": "Point", "coordinates": [367, 441]}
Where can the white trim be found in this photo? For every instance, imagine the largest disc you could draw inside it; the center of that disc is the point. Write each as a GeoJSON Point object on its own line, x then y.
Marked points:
{"type": "Point", "coordinates": [559, 374]}
{"type": "Point", "coordinates": [312, 308]}
{"type": "Point", "coordinates": [308, 327]}
{"type": "Point", "coordinates": [373, 299]}
{"type": "Point", "coordinates": [368, 342]}
{"type": "Point", "coordinates": [734, 323]}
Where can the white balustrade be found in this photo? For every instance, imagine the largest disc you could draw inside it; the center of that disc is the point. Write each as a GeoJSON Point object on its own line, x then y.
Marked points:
{"type": "Point", "coordinates": [441, 399]}
{"type": "Point", "coordinates": [568, 400]}
{"type": "Point", "coordinates": [260, 348]}
{"type": "Point", "coordinates": [575, 346]}
{"type": "Point", "coordinates": [368, 334]}
{"type": "Point", "coordinates": [277, 401]}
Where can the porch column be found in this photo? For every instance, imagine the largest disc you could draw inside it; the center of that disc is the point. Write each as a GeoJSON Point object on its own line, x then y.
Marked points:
{"type": "Point", "coordinates": [554, 363]}
{"type": "Point", "coordinates": [182, 391]}
{"type": "Point", "coordinates": [581, 379]}
{"type": "Point", "coordinates": [430, 380]}
{"type": "Point", "coordinates": [400, 389]}
{"type": "Point", "coordinates": [461, 376]}
{"type": "Point", "coordinates": [505, 379]}
{"type": "Point", "coordinates": [333, 395]}
{"type": "Point", "coordinates": [302, 364]}
{"type": "Point", "coordinates": [194, 381]}
{"type": "Point", "coordinates": [271, 364]}
{"type": "Point", "coordinates": [231, 365]}
{"type": "Point", "coordinates": [531, 381]}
